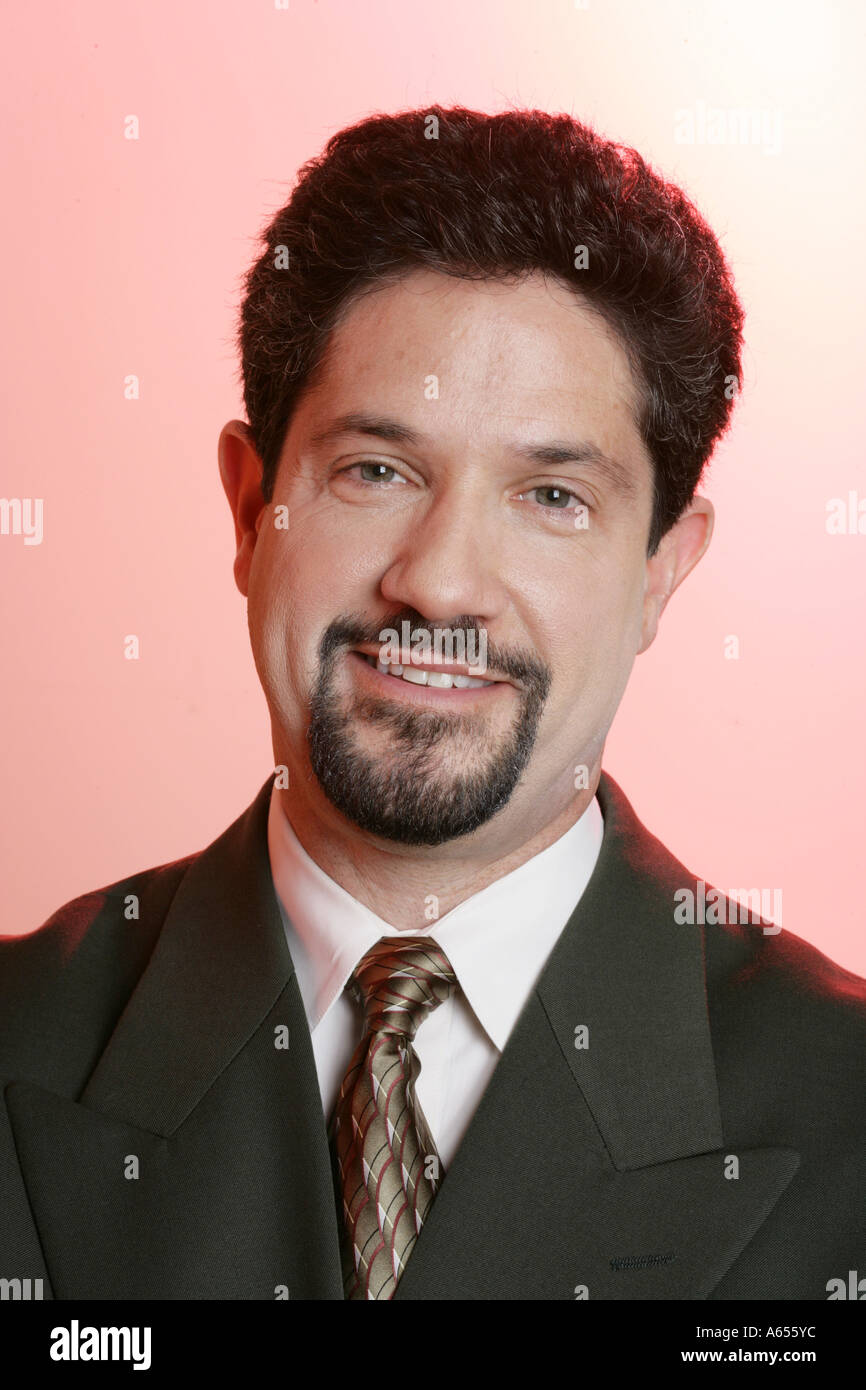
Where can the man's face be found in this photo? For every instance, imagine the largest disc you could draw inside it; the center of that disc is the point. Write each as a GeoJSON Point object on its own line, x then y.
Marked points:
{"type": "Point", "coordinates": [438, 514]}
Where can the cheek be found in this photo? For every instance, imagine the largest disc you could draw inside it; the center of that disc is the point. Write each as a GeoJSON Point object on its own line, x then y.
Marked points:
{"type": "Point", "coordinates": [281, 616]}
{"type": "Point", "coordinates": [290, 579]}
{"type": "Point", "coordinates": [324, 559]}
{"type": "Point", "coordinates": [299, 583]}
{"type": "Point", "coordinates": [595, 638]}
{"type": "Point", "coordinates": [620, 626]}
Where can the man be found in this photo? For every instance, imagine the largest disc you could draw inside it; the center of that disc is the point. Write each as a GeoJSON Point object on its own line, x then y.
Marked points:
{"type": "Point", "coordinates": [434, 1019]}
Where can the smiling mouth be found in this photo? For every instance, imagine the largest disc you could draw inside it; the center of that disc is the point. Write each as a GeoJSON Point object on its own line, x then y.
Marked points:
{"type": "Point", "coordinates": [430, 685]}
{"type": "Point", "coordinates": [426, 675]}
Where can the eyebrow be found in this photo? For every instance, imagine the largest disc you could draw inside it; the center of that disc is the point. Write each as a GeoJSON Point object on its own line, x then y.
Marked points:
{"type": "Point", "coordinates": [553, 452]}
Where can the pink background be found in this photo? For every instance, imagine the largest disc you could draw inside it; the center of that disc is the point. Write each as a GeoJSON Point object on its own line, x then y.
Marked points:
{"type": "Point", "coordinates": [125, 257]}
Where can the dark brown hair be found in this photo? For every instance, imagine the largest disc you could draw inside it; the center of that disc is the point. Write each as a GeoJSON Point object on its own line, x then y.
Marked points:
{"type": "Point", "coordinates": [498, 196]}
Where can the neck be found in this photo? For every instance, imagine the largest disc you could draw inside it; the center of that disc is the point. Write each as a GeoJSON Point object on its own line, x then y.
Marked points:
{"type": "Point", "coordinates": [411, 886]}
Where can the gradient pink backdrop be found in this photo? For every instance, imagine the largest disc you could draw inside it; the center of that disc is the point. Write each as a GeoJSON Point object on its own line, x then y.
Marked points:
{"type": "Point", "coordinates": [125, 257]}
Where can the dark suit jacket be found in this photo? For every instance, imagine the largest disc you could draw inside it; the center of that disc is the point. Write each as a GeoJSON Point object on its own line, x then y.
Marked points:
{"type": "Point", "coordinates": [607, 1169]}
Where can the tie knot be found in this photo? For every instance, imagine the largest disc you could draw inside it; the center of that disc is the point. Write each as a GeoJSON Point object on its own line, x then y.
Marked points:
{"type": "Point", "coordinates": [400, 980]}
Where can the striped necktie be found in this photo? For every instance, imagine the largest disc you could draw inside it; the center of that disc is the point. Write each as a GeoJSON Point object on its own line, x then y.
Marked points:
{"type": "Point", "coordinates": [387, 1167]}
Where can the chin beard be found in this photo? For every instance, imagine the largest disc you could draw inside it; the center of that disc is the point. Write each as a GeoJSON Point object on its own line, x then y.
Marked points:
{"type": "Point", "coordinates": [405, 795]}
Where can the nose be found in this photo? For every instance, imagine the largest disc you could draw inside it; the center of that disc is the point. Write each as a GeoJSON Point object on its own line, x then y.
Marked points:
{"type": "Point", "coordinates": [447, 561]}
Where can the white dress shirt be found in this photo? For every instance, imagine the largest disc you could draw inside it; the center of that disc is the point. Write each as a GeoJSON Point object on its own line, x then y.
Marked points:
{"type": "Point", "coordinates": [518, 917]}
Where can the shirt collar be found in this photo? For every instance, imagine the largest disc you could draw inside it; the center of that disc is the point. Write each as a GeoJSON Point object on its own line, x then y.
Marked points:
{"type": "Point", "coordinates": [497, 941]}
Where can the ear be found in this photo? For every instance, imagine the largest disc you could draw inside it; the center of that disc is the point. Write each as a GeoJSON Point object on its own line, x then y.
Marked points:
{"type": "Point", "coordinates": [241, 473]}
{"type": "Point", "coordinates": [679, 551]}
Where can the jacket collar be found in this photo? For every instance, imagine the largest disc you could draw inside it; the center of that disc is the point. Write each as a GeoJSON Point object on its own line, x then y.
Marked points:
{"type": "Point", "coordinates": [219, 964]}
{"type": "Point", "coordinates": [608, 1156]}
{"type": "Point", "coordinates": [625, 971]}
{"type": "Point", "coordinates": [599, 1170]}
{"type": "Point", "coordinates": [622, 969]}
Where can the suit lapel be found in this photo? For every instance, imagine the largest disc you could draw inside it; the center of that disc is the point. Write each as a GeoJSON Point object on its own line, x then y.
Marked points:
{"type": "Point", "coordinates": [233, 1192]}
{"type": "Point", "coordinates": [599, 1170]}
{"type": "Point", "coordinates": [592, 1171]}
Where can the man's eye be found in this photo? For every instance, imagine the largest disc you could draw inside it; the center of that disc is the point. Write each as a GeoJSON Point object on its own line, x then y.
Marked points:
{"type": "Point", "coordinates": [559, 495]}
{"type": "Point", "coordinates": [373, 464]}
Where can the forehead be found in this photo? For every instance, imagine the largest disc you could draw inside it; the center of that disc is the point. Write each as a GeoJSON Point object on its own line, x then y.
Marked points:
{"type": "Point", "coordinates": [502, 361]}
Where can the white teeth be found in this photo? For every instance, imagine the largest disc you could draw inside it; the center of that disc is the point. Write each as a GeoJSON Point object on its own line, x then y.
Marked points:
{"type": "Point", "coordinates": [416, 675]}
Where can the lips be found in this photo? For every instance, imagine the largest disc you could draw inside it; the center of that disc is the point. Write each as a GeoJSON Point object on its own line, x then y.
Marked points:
{"type": "Point", "coordinates": [413, 683]}
{"type": "Point", "coordinates": [442, 675]}
{"type": "Point", "coordinates": [420, 675]}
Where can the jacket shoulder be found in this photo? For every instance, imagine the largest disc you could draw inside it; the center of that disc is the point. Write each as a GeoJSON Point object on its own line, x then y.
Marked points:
{"type": "Point", "coordinates": [786, 1021]}
{"type": "Point", "coordinates": [766, 963]}
{"type": "Point", "coordinates": [63, 986]}
{"type": "Point", "coordinates": [756, 970]}
{"type": "Point", "coordinates": [788, 1024]}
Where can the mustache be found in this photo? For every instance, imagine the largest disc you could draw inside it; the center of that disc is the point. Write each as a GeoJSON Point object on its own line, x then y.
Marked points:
{"type": "Point", "coordinates": [519, 665]}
